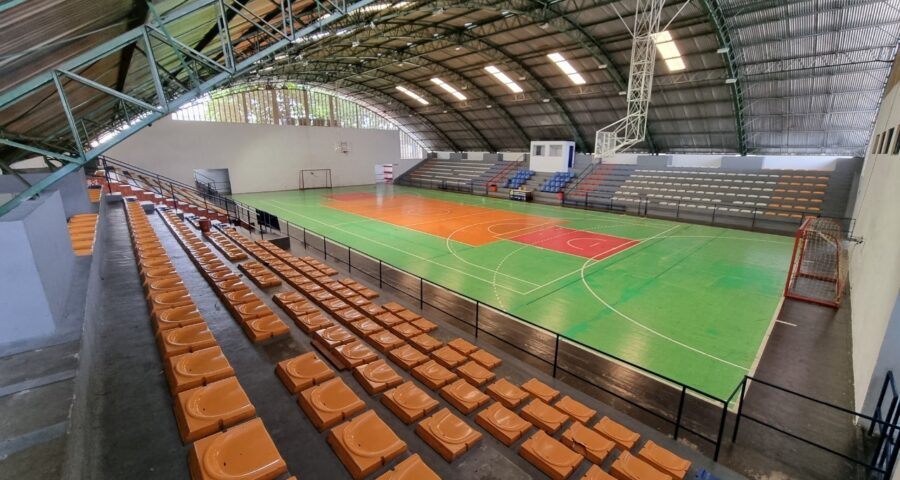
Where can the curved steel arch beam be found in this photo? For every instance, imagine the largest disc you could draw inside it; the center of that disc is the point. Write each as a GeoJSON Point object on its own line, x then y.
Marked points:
{"type": "Point", "coordinates": [324, 79]}
{"type": "Point", "coordinates": [455, 37]}
{"type": "Point", "coordinates": [453, 75]}
{"type": "Point", "coordinates": [717, 19]}
{"type": "Point", "coordinates": [354, 70]}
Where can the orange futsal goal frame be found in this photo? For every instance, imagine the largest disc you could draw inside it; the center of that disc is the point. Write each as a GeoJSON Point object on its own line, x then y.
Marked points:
{"type": "Point", "coordinates": [818, 270]}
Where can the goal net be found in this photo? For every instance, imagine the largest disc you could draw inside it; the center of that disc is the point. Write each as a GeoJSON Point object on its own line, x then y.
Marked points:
{"type": "Point", "coordinates": [818, 270]}
{"type": "Point", "coordinates": [318, 178]}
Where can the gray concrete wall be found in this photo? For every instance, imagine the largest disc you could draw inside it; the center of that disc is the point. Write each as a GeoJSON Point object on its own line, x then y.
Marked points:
{"type": "Point", "coordinates": [72, 188]}
{"type": "Point", "coordinates": [36, 266]}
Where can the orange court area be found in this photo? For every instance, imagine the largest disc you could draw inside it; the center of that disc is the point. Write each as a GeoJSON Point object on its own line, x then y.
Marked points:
{"type": "Point", "coordinates": [467, 224]}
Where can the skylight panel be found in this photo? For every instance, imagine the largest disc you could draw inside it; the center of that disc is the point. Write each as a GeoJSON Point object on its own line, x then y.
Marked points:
{"type": "Point", "coordinates": [567, 68]}
{"type": "Point", "coordinates": [667, 49]}
{"type": "Point", "coordinates": [412, 95]}
{"type": "Point", "coordinates": [503, 78]}
{"type": "Point", "coordinates": [448, 88]}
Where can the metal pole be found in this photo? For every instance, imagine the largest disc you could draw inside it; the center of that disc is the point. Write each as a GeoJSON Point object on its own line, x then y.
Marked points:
{"type": "Point", "coordinates": [325, 246]}
{"type": "Point", "coordinates": [680, 410]}
{"type": "Point", "coordinates": [421, 293]}
{"type": "Point", "coordinates": [753, 221]}
{"type": "Point", "coordinates": [721, 430]}
{"type": "Point", "coordinates": [477, 312]}
{"type": "Point", "coordinates": [555, 355]}
{"type": "Point", "coordinates": [737, 420]}
{"type": "Point", "coordinates": [304, 238]}
{"type": "Point", "coordinates": [350, 260]}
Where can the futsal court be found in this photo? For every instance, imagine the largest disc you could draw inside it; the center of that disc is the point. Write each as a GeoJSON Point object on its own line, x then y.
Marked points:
{"type": "Point", "coordinates": [692, 302]}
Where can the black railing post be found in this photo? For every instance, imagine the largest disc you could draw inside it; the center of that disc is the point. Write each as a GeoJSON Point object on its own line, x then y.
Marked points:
{"type": "Point", "coordinates": [421, 293]}
{"type": "Point", "coordinates": [680, 411]}
{"type": "Point", "coordinates": [477, 315]}
{"type": "Point", "coordinates": [555, 355]}
{"type": "Point", "coordinates": [721, 430]}
{"type": "Point", "coordinates": [350, 260]}
{"type": "Point", "coordinates": [753, 221]}
{"type": "Point", "coordinates": [740, 411]}
{"type": "Point", "coordinates": [304, 239]}
{"type": "Point", "coordinates": [714, 215]}
{"type": "Point", "coordinates": [380, 263]}
{"type": "Point", "coordinates": [325, 246]}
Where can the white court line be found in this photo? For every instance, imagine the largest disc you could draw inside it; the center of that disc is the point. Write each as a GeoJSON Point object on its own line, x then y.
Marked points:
{"type": "Point", "coordinates": [641, 325]}
{"type": "Point", "coordinates": [391, 247]}
{"type": "Point", "coordinates": [786, 323]}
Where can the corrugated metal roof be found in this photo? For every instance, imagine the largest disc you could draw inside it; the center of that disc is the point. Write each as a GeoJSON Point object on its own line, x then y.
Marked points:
{"type": "Point", "coordinates": [811, 73]}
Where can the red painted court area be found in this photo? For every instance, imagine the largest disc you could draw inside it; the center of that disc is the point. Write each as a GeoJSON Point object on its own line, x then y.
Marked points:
{"type": "Point", "coordinates": [591, 245]}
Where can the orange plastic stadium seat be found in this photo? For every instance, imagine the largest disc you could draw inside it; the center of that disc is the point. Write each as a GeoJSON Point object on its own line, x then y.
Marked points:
{"type": "Point", "coordinates": [244, 452]}
{"type": "Point", "coordinates": [385, 341]}
{"type": "Point", "coordinates": [322, 295]}
{"type": "Point", "coordinates": [365, 327]}
{"type": "Point", "coordinates": [340, 290]}
{"type": "Point", "coordinates": [368, 293]}
{"type": "Point", "coordinates": [550, 456]}
{"type": "Point", "coordinates": [365, 444]}
{"type": "Point", "coordinates": [333, 336]}
{"type": "Point", "coordinates": [502, 423]}
{"type": "Point", "coordinates": [373, 310]}
{"type": "Point", "coordinates": [485, 359]}
{"type": "Point", "coordinates": [425, 343]}
{"type": "Point", "coordinates": [164, 284]}
{"type": "Point", "coordinates": [377, 376]}
{"type": "Point", "coordinates": [475, 373]}
{"type": "Point", "coordinates": [298, 309]}
{"type": "Point", "coordinates": [464, 396]}
{"type": "Point", "coordinates": [266, 280]}
{"type": "Point", "coordinates": [285, 298]}
{"type": "Point", "coordinates": [664, 460]}
{"type": "Point", "coordinates": [408, 315]}
{"type": "Point", "coordinates": [433, 374]}
{"type": "Point", "coordinates": [407, 357]}
{"type": "Point", "coordinates": [540, 390]}
{"type": "Point", "coordinates": [151, 274]}
{"type": "Point", "coordinates": [262, 328]}
{"type": "Point", "coordinates": [238, 297]}
{"type": "Point", "coordinates": [413, 468]}
{"type": "Point", "coordinates": [205, 410]}
{"type": "Point", "coordinates": [393, 307]}
{"type": "Point", "coordinates": [448, 357]}
{"type": "Point", "coordinates": [544, 416]}
{"type": "Point", "coordinates": [575, 409]}
{"type": "Point", "coordinates": [187, 339]}
{"type": "Point", "coordinates": [177, 317]}
{"type": "Point", "coordinates": [191, 370]}
{"type": "Point", "coordinates": [506, 393]}
{"type": "Point", "coordinates": [408, 402]}
{"type": "Point", "coordinates": [310, 288]}
{"type": "Point", "coordinates": [328, 404]}
{"type": "Point", "coordinates": [230, 284]}
{"type": "Point", "coordinates": [448, 434]}
{"type": "Point", "coordinates": [350, 315]}
{"type": "Point", "coordinates": [624, 438]}
{"type": "Point", "coordinates": [462, 346]}
{"type": "Point", "coordinates": [388, 319]}
{"type": "Point", "coordinates": [588, 442]}
{"type": "Point", "coordinates": [630, 467]}
{"type": "Point", "coordinates": [251, 310]}
{"type": "Point", "coordinates": [424, 325]}
{"type": "Point", "coordinates": [313, 322]}
{"type": "Point", "coordinates": [354, 354]}
{"type": "Point", "coordinates": [302, 372]}
{"type": "Point", "coordinates": [165, 300]}
{"type": "Point", "coordinates": [334, 305]}
{"type": "Point", "coordinates": [597, 473]}
{"type": "Point", "coordinates": [406, 330]}
{"type": "Point", "coordinates": [357, 300]}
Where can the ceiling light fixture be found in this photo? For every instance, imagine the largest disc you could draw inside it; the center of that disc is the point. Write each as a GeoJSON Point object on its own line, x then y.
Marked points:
{"type": "Point", "coordinates": [448, 88]}
{"type": "Point", "coordinates": [503, 78]}
{"type": "Point", "coordinates": [412, 95]}
{"type": "Point", "coordinates": [567, 68]}
{"type": "Point", "coordinates": [669, 51]}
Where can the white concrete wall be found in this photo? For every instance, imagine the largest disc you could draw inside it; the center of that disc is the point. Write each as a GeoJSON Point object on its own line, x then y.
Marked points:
{"type": "Point", "coordinates": [37, 263]}
{"type": "Point", "coordinates": [261, 157]}
{"type": "Point", "coordinates": [875, 264]}
{"type": "Point", "coordinates": [546, 162]}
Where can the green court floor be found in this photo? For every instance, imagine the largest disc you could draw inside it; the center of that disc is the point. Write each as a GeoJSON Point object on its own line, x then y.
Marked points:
{"type": "Point", "coordinates": [691, 302]}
